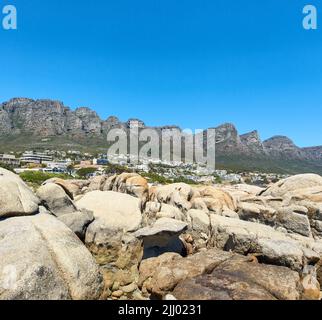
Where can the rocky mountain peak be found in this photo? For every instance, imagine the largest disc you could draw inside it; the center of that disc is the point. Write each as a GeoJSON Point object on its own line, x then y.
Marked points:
{"type": "Point", "coordinates": [170, 127]}
{"type": "Point", "coordinates": [133, 122]}
{"type": "Point", "coordinates": [111, 122]}
{"type": "Point", "coordinates": [91, 122]}
{"type": "Point", "coordinates": [85, 111]}
{"type": "Point", "coordinates": [279, 142]}
{"type": "Point", "coordinates": [282, 146]}
{"type": "Point", "coordinates": [227, 131]}
{"type": "Point", "coordinates": [227, 126]}
{"type": "Point", "coordinates": [253, 141]}
{"type": "Point", "coordinates": [113, 119]}
{"type": "Point", "coordinates": [252, 136]}
{"type": "Point", "coordinates": [227, 138]}
{"type": "Point", "coordinates": [20, 101]}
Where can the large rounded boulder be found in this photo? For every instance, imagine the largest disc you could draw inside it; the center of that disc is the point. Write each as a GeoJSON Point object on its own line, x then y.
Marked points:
{"type": "Point", "coordinates": [176, 194]}
{"type": "Point", "coordinates": [55, 199]}
{"type": "Point", "coordinates": [130, 183]}
{"type": "Point", "coordinates": [116, 216]}
{"type": "Point", "coordinates": [41, 259]}
{"type": "Point", "coordinates": [110, 237]}
{"type": "Point", "coordinates": [16, 199]}
{"type": "Point", "coordinates": [112, 210]}
{"type": "Point", "coordinates": [292, 184]}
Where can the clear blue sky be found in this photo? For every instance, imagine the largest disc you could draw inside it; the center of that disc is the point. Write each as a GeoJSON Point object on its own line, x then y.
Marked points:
{"type": "Point", "coordinates": [196, 63]}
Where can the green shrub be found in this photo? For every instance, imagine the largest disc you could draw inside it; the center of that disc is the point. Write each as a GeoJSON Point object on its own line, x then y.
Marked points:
{"type": "Point", "coordinates": [218, 180]}
{"type": "Point", "coordinates": [116, 169]}
{"type": "Point", "coordinates": [38, 177]}
{"type": "Point", "coordinates": [154, 177]}
{"type": "Point", "coordinates": [6, 166]}
{"type": "Point", "coordinates": [183, 180]}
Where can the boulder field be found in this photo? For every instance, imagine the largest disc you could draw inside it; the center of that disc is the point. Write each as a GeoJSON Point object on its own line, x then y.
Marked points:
{"type": "Point", "coordinates": [120, 238]}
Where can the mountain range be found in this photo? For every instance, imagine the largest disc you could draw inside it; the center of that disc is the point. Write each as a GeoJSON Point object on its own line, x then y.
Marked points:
{"type": "Point", "coordinates": [40, 124]}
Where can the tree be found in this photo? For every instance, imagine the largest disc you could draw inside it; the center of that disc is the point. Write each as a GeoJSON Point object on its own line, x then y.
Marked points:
{"type": "Point", "coordinates": [70, 168]}
{"type": "Point", "coordinates": [116, 169]}
{"type": "Point", "coordinates": [85, 172]}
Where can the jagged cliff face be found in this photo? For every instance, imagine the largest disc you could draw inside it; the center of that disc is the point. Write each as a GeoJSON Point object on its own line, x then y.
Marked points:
{"type": "Point", "coordinates": [47, 118]}
{"type": "Point", "coordinates": [41, 117]}
{"type": "Point", "coordinates": [253, 142]}
{"type": "Point", "coordinates": [314, 153]}
{"type": "Point", "coordinates": [227, 139]}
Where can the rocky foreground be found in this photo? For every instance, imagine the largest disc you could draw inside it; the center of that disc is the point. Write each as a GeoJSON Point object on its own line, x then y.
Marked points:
{"type": "Point", "coordinates": [117, 237]}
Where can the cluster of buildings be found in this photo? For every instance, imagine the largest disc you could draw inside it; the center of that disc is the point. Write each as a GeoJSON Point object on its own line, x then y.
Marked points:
{"type": "Point", "coordinates": [10, 160]}
{"type": "Point", "coordinates": [35, 160]}
{"type": "Point", "coordinates": [193, 172]}
{"type": "Point", "coordinates": [53, 161]}
{"type": "Point", "coordinates": [71, 161]}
